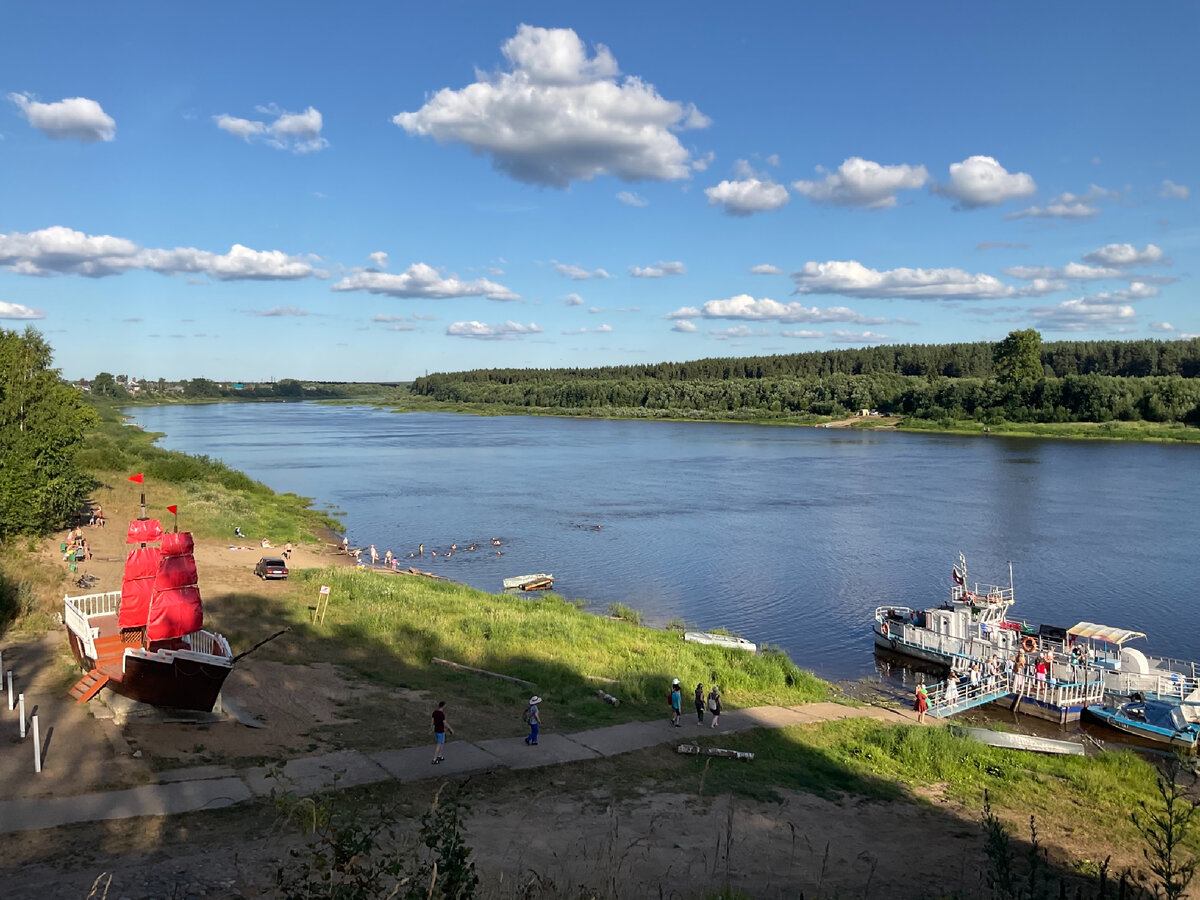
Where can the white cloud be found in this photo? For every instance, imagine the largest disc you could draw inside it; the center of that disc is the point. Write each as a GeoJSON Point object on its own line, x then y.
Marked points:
{"type": "Point", "coordinates": [738, 331]}
{"type": "Point", "coordinates": [747, 197]}
{"type": "Point", "coordinates": [861, 182]}
{"type": "Point", "coordinates": [701, 163]}
{"type": "Point", "coordinates": [1172, 191]}
{"type": "Point", "coordinates": [573, 300]}
{"type": "Point", "coordinates": [421, 280]}
{"type": "Point", "coordinates": [1124, 255]}
{"type": "Point", "coordinates": [684, 326]}
{"type": "Point", "coordinates": [802, 335]}
{"type": "Point", "coordinates": [379, 258]}
{"type": "Point", "coordinates": [1162, 326]}
{"type": "Point", "coordinates": [560, 115]}
{"type": "Point", "coordinates": [75, 118]}
{"type": "Point", "coordinates": [599, 329]}
{"type": "Point", "coordinates": [281, 311]}
{"type": "Point", "coordinates": [1071, 271]}
{"type": "Point", "coordinates": [773, 160]}
{"type": "Point", "coordinates": [765, 269]}
{"type": "Point", "coordinates": [17, 311]}
{"type": "Point", "coordinates": [981, 181]}
{"type": "Point", "coordinates": [298, 132]}
{"type": "Point", "coordinates": [595, 310]}
{"type": "Point", "coordinates": [1083, 314]}
{"type": "Point", "coordinates": [505, 331]}
{"type": "Point", "coordinates": [857, 337]}
{"type": "Point", "coordinates": [387, 319]}
{"type": "Point", "coordinates": [62, 251]}
{"type": "Point", "coordinates": [575, 273]}
{"type": "Point", "coordinates": [658, 270]}
{"type": "Point", "coordinates": [743, 306]}
{"type": "Point", "coordinates": [852, 279]}
{"type": "Point", "coordinates": [1056, 210]}
{"type": "Point", "coordinates": [629, 198]}
{"type": "Point", "coordinates": [400, 326]}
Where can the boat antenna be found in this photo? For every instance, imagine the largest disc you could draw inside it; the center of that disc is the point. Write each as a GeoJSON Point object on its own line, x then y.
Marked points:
{"type": "Point", "coordinates": [1010, 579]}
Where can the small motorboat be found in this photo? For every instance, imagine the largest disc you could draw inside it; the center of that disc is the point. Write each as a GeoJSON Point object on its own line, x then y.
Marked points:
{"type": "Point", "coordinates": [539, 582]}
{"type": "Point", "coordinates": [720, 640]}
{"type": "Point", "coordinates": [1152, 720]}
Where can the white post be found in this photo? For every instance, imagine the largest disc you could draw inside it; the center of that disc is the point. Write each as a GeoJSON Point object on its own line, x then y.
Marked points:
{"type": "Point", "coordinates": [37, 747]}
{"type": "Point", "coordinates": [10, 692]}
{"type": "Point", "coordinates": [21, 706]}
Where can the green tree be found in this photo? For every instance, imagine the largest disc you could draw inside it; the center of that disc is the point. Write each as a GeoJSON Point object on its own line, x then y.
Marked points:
{"type": "Point", "coordinates": [42, 424]}
{"type": "Point", "coordinates": [104, 385]}
{"type": "Point", "coordinates": [201, 387]}
{"type": "Point", "coordinates": [1019, 356]}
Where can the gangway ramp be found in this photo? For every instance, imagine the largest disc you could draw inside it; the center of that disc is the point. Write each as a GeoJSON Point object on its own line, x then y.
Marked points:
{"type": "Point", "coordinates": [967, 696]}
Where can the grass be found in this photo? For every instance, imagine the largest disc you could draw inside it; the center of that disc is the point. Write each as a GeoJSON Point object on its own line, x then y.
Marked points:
{"type": "Point", "coordinates": [1112, 431]}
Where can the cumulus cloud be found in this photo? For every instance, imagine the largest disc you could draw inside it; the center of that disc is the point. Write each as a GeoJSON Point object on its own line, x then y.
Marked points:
{"type": "Point", "coordinates": [388, 319]}
{"type": "Point", "coordinates": [1001, 245]}
{"type": "Point", "coordinates": [298, 132]}
{"type": "Point", "coordinates": [379, 258]}
{"type": "Point", "coordinates": [629, 198]}
{"type": "Point", "coordinates": [765, 269]}
{"type": "Point", "coordinates": [748, 196]}
{"type": "Point", "coordinates": [281, 311]}
{"type": "Point", "coordinates": [421, 280]}
{"type": "Point", "coordinates": [1083, 314]}
{"type": "Point", "coordinates": [743, 306]}
{"type": "Point", "coordinates": [1071, 271]}
{"type": "Point", "coordinates": [75, 118]}
{"type": "Point", "coordinates": [684, 326]}
{"type": "Point", "coordinates": [802, 335]}
{"type": "Point", "coordinates": [575, 273]}
{"type": "Point", "coordinates": [852, 279]}
{"type": "Point", "coordinates": [981, 181]}
{"type": "Point", "coordinates": [599, 329]}
{"type": "Point", "coordinates": [505, 331]}
{"type": "Point", "coordinates": [1162, 326]}
{"type": "Point", "coordinates": [863, 183]}
{"type": "Point", "coordinates": [857, 337]}
{"type": "Point", "coordinates": [701, 163]}
{"type": "Point", "coordinates": [1125, 255]}
{"type": "Point", "coordinates": [658, 270]}
{"type": "Point", "coordinates": [1069, 206]}
{"type": "Point", "coordinates": [62, 251]}
{"type": "Point", "coordinates": [573, 300]}
{"type": "Point", "coordinates": [1172, 191]}
{"type": "Point", "coordinates": [738, 331]}
{"type": "Point", "coordinates": [17, 311]}
{"type": "Point", "coordinates": [560, 115]}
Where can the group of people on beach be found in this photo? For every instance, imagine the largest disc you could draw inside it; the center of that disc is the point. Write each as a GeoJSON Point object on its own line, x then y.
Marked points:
{"type": "Point", "coordinates": [711, 703]}
{"type": "Point", "coordinates": [76, 547]}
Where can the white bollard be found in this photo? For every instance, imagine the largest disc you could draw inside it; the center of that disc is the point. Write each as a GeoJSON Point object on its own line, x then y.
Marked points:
{"type": "Point", "coordinates": [37, 747]}
{"type": "Point", "coordinates": [21, 707]}
{"type": "Point", "coordinates": [10, 693]}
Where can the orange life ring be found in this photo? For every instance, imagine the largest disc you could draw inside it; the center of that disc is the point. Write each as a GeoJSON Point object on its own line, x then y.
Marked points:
{"type": "Point", "coordinates": [1029, 644]}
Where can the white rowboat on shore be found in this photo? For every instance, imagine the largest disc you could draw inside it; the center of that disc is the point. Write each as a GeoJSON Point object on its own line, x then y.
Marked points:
{"type": "Point", "coordinates": [720, 640]}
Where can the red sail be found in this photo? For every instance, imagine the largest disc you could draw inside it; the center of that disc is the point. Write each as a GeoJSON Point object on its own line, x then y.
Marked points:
{"type": "Point", "coordinates": [177, 543]}
{"type": "Point", "coordinates": [175, 572]}
{"type": "Point", "coordinates": [143, 531]}
{"type": "Point", "coordinates": [175, 607]}
{"type": "Point", "coordinates": [137, 585]}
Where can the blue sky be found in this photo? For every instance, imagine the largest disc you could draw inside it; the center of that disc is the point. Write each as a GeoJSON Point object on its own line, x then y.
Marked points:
{"type": "Point", "coordinates": [370, 191]}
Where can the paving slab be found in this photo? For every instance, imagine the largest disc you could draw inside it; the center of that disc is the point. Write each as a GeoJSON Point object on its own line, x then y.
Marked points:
{"type": "Point", "coordinates": [416, 763]}
{"type": "Point", "coordinates": [762, 717]}
{"type": "Point", "coordinates": [630, 736]}
{"type": "Point", "coordinates": [550, 749]}
{"type": "Point", "coordinates": [149, 800]}
{"type": "Point", "coordinates": [196, 773]}
{"type": "Point", "coordinates": [312, 774]}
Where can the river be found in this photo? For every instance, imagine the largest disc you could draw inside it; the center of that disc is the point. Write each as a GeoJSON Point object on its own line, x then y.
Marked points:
{"type": "Point", "coordinates": [788, 536]}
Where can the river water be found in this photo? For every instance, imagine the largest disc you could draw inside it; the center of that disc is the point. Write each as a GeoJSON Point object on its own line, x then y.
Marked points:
{"type": "Point", "coordinates": [788, 536]}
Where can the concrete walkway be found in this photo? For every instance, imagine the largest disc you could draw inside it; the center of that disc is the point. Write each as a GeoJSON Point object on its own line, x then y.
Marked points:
{"type": "Point", "coordinates": [214, 787]}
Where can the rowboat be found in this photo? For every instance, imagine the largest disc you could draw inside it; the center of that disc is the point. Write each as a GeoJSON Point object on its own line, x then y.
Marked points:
{"type": "Point", "coordinates": [720, 640]}
{"type": "Point", "coordinates": [539, 582]}
{"type": "Point", "coordinates": [1008, 740]}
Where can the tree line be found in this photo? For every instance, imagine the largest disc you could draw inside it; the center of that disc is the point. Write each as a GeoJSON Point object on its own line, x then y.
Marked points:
{"type": "Point", "coordinates": [1019, 379]}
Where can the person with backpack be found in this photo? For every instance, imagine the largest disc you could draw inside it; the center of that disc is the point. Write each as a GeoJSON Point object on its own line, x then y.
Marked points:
{"type": "Point", "coordinates": [714, 705]}
{"type": "Point", "coordinates": [533, 719]}
{"type": "Point", "coordinates": [675, 699]}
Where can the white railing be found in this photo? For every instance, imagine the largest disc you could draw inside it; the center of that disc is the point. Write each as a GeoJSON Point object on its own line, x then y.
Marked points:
{"type": "Point", "coordinates": [1056, 694]}
{"type": "Point", "coordinates": [966, 696]}
{"type": "Point", "coordinates": [209, 643]}
{"type": "Point", "coordinates": [1156, 685]}
{"type": "Point", "coordinates": [95, 604]}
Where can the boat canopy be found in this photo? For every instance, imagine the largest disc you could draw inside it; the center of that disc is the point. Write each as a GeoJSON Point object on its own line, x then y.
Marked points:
{"type": "Point", "coordinates": [1092, 631]}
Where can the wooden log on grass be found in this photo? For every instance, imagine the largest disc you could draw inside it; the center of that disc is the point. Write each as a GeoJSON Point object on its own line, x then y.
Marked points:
{"type": "Point", "coordinates": [697, 750]}
{"type": "Point", "coordinates": [461, 668]}
{"type": "Point", "coordinates": [607, 698]}
{"type": "Point", "coordinates": [601, 679]}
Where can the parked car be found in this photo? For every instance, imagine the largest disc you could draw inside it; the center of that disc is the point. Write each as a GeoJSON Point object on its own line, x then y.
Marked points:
{"type": "Point", "coordinates": [271, 567]}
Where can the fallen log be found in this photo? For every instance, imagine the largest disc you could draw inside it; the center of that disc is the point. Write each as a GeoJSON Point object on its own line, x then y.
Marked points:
{"type": "Point", "coordinates": [696, 749]}
{"type": "Point", "coordinates": [461, 668]}
{"type": "Point", "coordinates": [599, 678]}
{"type": "Point", "coordinates": [607, 698]}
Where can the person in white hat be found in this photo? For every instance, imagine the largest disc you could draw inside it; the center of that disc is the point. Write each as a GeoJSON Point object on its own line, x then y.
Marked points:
{"type": "Point", "coordinates": [532, 719]}
{"type": "Point", "coordinates": [675, 698]}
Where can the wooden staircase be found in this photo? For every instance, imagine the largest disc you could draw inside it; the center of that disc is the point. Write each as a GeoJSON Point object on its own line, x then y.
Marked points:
{"type": "Point", "coordinates": [88, 686]}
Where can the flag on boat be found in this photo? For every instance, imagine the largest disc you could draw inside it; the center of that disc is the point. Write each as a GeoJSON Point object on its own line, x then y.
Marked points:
{"type": "Point", "coordinates": [957, 576]}
{"type": "Point", "coordinates": [174, 510]}
{"type": "Point", "coordinates": [137, 478]}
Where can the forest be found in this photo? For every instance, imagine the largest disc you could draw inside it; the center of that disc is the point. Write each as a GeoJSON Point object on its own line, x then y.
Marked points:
{"type": "Point", "coordinates": [1062, 381]}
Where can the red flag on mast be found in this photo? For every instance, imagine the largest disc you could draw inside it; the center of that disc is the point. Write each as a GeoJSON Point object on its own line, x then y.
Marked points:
{"type": "Point", "coordinates": [173, 509]}
{"type": "Point", "coordinates": [137, 478]}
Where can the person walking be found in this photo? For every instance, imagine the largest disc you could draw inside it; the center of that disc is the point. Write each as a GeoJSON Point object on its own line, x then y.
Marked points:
{"type": "Point", "coordinates": [440, 729]}
{"type": "Point", "coordinates": [921, 703]}
{"type": "Point", "coordinates": [675, 699]}
{"type": "Point", "coordinates": [532, 717]}
{"type": "Point", "coordinates": [700, 703]}
{"type": "Point", "coordinates": [714, 705]}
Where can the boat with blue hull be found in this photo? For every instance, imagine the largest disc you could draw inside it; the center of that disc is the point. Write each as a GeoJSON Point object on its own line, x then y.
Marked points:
{"type": "Point", "coordinates": [1158, 721]}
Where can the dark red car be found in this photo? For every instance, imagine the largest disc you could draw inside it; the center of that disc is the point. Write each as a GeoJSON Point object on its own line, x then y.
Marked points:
{"type": "Point", "coordinates": [271, 567]}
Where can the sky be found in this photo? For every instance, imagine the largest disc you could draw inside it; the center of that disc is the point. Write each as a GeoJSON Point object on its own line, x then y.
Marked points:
{"type": "Point", "coordinates": [374, 191]}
